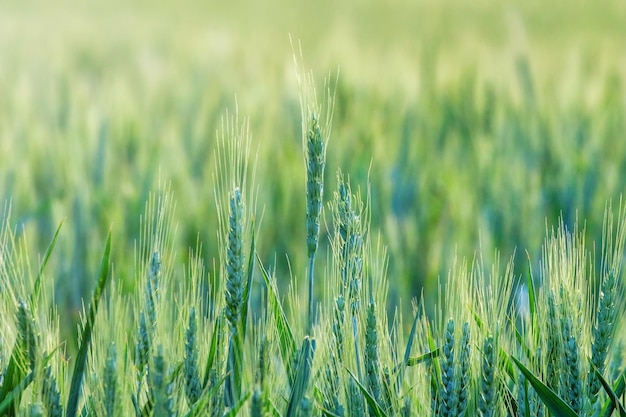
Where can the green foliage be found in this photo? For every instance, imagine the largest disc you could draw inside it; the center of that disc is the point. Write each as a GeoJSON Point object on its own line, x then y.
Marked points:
{"type": "Point", "coordinates": [471, 151]}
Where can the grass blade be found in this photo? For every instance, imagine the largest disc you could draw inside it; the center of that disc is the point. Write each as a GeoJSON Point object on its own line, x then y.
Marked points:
{"type": "Point", "coordinates": [287, 343]}
{"type": "Point", "coordinates": [532, 299]}
{"type": "Point", "coordinates": [619, 391]}
{"type": "Point", "coordinates": [301, 382]}
{"type": "Point", "coordinates": [199, 408]}
{"type": "Point", "coordinates": [428, 356]}
{"type": "Point", "coordinates": [407, 351]}
{"type": "Point", "coordinates": [37, 286]}
{"type": "Point", "coordinates": [614, 398]}
{"type": "Point", "coordinates": [15, 393]}
{"type": "Point", "coordinates": [81, 358]}
{"type": "Point", "coordinates": [212, 349]}
{"type": "Point", "coordinates": [554, 403]}
{"type": "Point", "coordinates": [235, 409]}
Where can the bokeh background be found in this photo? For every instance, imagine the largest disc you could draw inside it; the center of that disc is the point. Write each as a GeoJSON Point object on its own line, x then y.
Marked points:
{"type": "Point", "coordinates": [475, 124]}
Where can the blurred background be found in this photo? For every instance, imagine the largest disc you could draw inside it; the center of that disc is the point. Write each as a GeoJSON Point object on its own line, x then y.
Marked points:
{"type": "Point", "coordinates": [476, 124]}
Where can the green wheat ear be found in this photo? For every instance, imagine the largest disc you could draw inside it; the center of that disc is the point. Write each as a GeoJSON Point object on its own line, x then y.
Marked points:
{"type": "Point", "coordinates": [315, 162]}
{"type": "Point", "coordinates": [110, 381]}
{"type": "Point", "coordinates": [448, 393]}
{"type": "Point", "coordinates": [161, 386]}
{"type": "Point", "coordinates": [602, 333]}
{"type": "Point", "coordinates": [464, 373]}
{"type": "Point", "coordinates": [27, 339]}
{"type": "Point", "coordinates": [193, 387]}
{"type": "Point", "coordinates": [235, 262]}
{"type": "Point", "coordinates": [486, 399]}
{"type": "Point", "coordinates": [371, 354]}
{"type": "Point", "coordinates": [235, 287]}
{"type": "Point", "coordinates": [573, 380]}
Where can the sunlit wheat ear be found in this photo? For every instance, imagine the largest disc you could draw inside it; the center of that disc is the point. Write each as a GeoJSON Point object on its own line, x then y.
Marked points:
{"type": "Point", "coordinates": [487, 378]}
{"type": "Point", "coordinates": [602, 332]}
{"type": "Point", "coordinates": [573, 381]}
{"type": "Point", "coordinates": [464, 369]}
{"type": "Point", "coordinates": [193, 387]}
{"type": "Point", "coordinates": [27, 334]}
{"type": "Point", "coordinates": [448, 392]}
{"type": "Point", "coordinates": [50, 394]}
{"type": "Point", "coordinates": [110, 381]}
{"type": "Point", "coordinates": [371, 354]}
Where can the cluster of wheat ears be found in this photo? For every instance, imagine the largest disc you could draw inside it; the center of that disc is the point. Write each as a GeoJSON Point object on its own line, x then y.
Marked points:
{"type": "Point", "coordinates": [189, 343]}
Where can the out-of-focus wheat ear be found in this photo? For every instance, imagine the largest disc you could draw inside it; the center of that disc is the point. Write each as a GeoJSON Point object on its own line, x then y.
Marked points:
{"type": "Point", "coordinates": [464, 369]}
{"type": "Point", "coordinates": [355, 399]}
{"type": "Point", "coordinates": [27, 338]}
{"type": "Point", "coordinates": [448, 392]}
{"type": "Point", "coordinates": [217, 401]}
{"type": "Point", "coordinates": [161, 386]}
{"type": "Point", "coordinates": [256, 404]}
{"type": "Point", "coordinates": [486, 399]}
{"type": "Point", "coordinates": [35, 410]}
{"type": "Point", "coordinates": [553, 345]}
{"type": "Point", "coordinates": [142, 348]}
{"type": "Point", "coordinates": [306, 408]}
{"type": "Point", "coordinates": [406, 408]}
{"type": "Point", "coordinates": [522, 397]}
{"type": "Point", "coordinates": [573, 380]}
{"type": "Point", "coordinates": [50, 394]}
{"type": "Point", "coordinates": [193, 386]}
{"type": "Point", "coordinates": [110, 381]}
{"type": "Point", "coordinates": [603, 331]}
{"type": "Point", "coordinates": [371, 354]}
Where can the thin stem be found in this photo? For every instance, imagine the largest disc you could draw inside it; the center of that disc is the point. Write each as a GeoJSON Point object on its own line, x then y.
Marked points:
{"type": "Point", "coordinates": [311, 277]}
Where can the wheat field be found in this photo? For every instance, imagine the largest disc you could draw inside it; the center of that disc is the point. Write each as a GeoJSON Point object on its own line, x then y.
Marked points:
{"type": "Point", "coordinates": [375, 208]}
